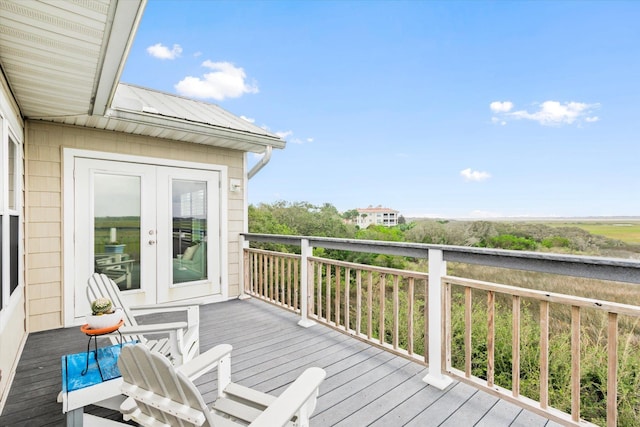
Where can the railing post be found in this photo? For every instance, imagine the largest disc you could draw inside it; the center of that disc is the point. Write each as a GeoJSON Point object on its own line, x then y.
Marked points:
{"type": "Point", "coordinates": [243, 259]}
{"type": "Point", "coordinates": [437, 269]}
{"type": "Point", "coordinates": [306, 251]}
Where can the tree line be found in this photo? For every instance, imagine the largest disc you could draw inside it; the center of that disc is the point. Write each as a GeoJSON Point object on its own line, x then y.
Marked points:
{"type": "Point", "coordinates": [306, 219]}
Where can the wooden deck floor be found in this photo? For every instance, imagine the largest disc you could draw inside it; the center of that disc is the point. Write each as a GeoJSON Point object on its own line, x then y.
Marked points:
{"type": "Point", "coordinates": [364, 385]}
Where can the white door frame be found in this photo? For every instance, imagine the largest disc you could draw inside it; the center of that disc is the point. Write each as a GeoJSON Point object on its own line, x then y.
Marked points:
{"type": "Point", "coordinates": [69, 155]}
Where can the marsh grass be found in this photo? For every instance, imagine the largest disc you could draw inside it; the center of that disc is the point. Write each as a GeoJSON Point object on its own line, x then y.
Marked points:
{"type": "Point", "coordinates": [593, 352]}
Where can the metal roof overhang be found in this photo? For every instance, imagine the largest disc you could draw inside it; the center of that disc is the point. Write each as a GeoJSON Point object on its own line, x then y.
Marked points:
{"type": "Point", "coordinates": [184, 130]}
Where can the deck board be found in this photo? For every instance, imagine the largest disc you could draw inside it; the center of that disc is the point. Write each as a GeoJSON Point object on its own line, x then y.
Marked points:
{"type": "Point", "coordinates": [364, 386]}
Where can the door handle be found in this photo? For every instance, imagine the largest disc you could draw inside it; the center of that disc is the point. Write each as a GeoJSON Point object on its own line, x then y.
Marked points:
{"type": "Point", "coordinates": [152, 242]}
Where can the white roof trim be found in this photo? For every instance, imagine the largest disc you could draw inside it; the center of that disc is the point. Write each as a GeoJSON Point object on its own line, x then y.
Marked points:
{"type": "Point", "coordinates": [125, 16]}
{"type": "Point", "coordinates": [181, 125]}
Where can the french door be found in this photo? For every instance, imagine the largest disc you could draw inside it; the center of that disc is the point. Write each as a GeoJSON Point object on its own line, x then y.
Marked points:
{"type": "Point", "coordinates": [154, 230]}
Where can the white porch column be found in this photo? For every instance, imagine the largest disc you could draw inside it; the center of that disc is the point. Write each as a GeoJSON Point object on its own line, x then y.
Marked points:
{"type": "Point", "coordinates": [437, 269]}
{"type": "Point", "coordinates": [305, 251]}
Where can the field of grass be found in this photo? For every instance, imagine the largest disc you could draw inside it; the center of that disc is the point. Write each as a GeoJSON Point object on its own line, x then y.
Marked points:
{"type": "Point", "coordinates": [626, 231]}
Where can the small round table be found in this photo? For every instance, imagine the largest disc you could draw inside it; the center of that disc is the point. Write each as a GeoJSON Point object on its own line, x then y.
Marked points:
{"type": "Point", "coordinates": [94, 334]}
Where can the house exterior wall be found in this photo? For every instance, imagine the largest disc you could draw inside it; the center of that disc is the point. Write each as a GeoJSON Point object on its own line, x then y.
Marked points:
{"type": "Point", "coordinates": [13, 331]}
{"type": "Point", "coordinates": [44, 208]}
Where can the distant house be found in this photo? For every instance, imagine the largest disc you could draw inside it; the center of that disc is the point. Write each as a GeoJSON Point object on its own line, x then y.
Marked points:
{"type": "Point", "coordinates": [376, 216]}
{"type": "Point", "coordinates": [86, 160]}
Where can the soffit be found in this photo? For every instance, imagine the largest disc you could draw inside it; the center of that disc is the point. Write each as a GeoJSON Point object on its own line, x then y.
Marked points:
{"type": "Point", "coordinates": [63, 58]}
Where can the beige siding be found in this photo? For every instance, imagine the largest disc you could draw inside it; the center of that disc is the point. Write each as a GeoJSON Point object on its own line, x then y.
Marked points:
{"type": "Point", "coordinates": [44, 144]}
{"type": "Point", "coordinates": [12, 338]}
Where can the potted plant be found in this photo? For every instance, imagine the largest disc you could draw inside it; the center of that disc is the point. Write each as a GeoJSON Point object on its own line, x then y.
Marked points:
{"type": "Point", "coordinates": [103, 314]}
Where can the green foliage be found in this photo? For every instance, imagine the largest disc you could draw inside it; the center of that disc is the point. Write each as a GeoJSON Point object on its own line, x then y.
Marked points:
{"type": "Point", "coordinates": [508, 241]}
{"type": "Point", "coordinates": [556, 242]}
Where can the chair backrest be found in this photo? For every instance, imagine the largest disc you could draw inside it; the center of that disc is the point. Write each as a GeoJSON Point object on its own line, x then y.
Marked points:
{"type": "Point", "coordinates": [101, 286]}
{"type": "Point", "coordinates": [162, 394]}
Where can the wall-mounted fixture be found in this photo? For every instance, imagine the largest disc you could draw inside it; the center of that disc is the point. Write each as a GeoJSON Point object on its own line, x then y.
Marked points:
{"type": "Point", "coordinates": [235, 185]}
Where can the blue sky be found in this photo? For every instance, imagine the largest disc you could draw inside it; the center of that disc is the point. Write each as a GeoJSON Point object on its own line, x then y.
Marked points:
{"type": "Point", "coordinates": [464, 109]}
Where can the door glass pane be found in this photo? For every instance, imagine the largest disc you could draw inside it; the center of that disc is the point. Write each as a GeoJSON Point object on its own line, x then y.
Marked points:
{"type": "Point", "coordinates": [117, 228]}
{"type": "Point", "coordinates": [11, 175]}
{"type": "Point", "coordinates": [189, 219]}
{"type": "Point", "coordinates": [14, 234]}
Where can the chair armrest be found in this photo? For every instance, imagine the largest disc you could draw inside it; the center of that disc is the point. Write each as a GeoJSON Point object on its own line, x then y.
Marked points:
{"type": "Point", "coordinates": [280, 412]}
{"type": "Point", "coordinates": [159, 308]}
{"type": "Point", "coordinates": [153, 328]}
{"type": "Point", "coordinates": [204, 362]}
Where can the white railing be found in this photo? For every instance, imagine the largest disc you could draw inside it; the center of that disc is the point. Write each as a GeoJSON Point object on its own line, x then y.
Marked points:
{"type": "Point", "coordinates": [403, 312]}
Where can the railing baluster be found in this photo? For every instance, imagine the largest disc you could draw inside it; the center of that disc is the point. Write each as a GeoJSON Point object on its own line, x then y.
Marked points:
{"type": "Point", "coordinates": [491, 337]}
{"type": "Point", "coordinates": [410, 307]}
{"type": "Point", "coordinates": [328, 294]}
{"type": "Point", "coordinates": [289, 273]}
{"type": "Point", "coordinates": [298, 284]}
{"type": "Point", "coordinates": [255, 280]}
{"type": "Point", "coordinates": [319, 302]}
{"type": "Point", "coordinates": [337, 297]}
{"type": "Point", "coordinates": [358, 301]}
{"type": "Point", "coordinates": [575, 363]}
{"type": "Point", "coordinates": [446, 324]}
{"type": "Point", "coordinates": [383, 284]}
{"type": "Point", "coordinates": [271, 279]}
{"type": "Point", "coordinates": [468, 325]}
{"type": "Point", "coordinates": [515, 347]}
{"type": "Point", "coordinates": [262, 273]}
{"type": "Point", "coordinates": [396, 310]}
{"type": "Point", "coordinates": [283, 288]}
{"type": "Point", "coordinates": [309, 282]}
{"type": "Point", "coordinates": [370, 305]}
{"type": "Point", "coordinates": [544, 354]}
{"type": "Point", "coordinates": [612, 371]}
{"type": "Point", "coordinates": [347, 292]}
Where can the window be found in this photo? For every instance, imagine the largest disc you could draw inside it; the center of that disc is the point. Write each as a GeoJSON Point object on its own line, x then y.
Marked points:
{"type": "Point", "coordinates": [10, 209]}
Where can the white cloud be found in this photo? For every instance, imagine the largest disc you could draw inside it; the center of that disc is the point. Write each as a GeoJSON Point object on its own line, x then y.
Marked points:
{"type": "Point", "coordinates": [248, 119]}
{"type": "Point", "coordinates": [501, 107]}
{"type": "Point", "coordinates": [160, 51]}
{"type": "Point", "coordinates": [549, 113]}
{"type": "Point", "coordinates": [225, 81]}
{"type": "Point", "coordinates": [284, 134]}
{"type": "Point", "coordinates": [301, 141]}
{"type": "Point", "coordinates": [471, 175]}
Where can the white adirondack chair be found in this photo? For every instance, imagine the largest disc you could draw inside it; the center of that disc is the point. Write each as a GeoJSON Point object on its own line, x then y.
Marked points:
{"type": "Point", "coordinates": [180, 341]}
{"type": "Point", "coordinates": [163, 395]}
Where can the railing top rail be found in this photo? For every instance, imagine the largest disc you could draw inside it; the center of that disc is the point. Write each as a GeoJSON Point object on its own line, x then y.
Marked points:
{"type": "Point", "coordinates": [383, 270]}
{"type": "Point", "coordinates": [267, 252]}
{"type": "Point", "coordinates": [611, 307]}
{"type": "Point", "coordinates": [614, 269]}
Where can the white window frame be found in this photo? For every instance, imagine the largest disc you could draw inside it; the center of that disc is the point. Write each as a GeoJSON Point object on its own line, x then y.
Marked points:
{"type": "Point", "coordinates": [10, 301]}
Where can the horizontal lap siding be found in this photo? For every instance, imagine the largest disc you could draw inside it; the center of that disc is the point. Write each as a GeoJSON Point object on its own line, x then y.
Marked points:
{"type": "Point", "coordinates": [44, 220]}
